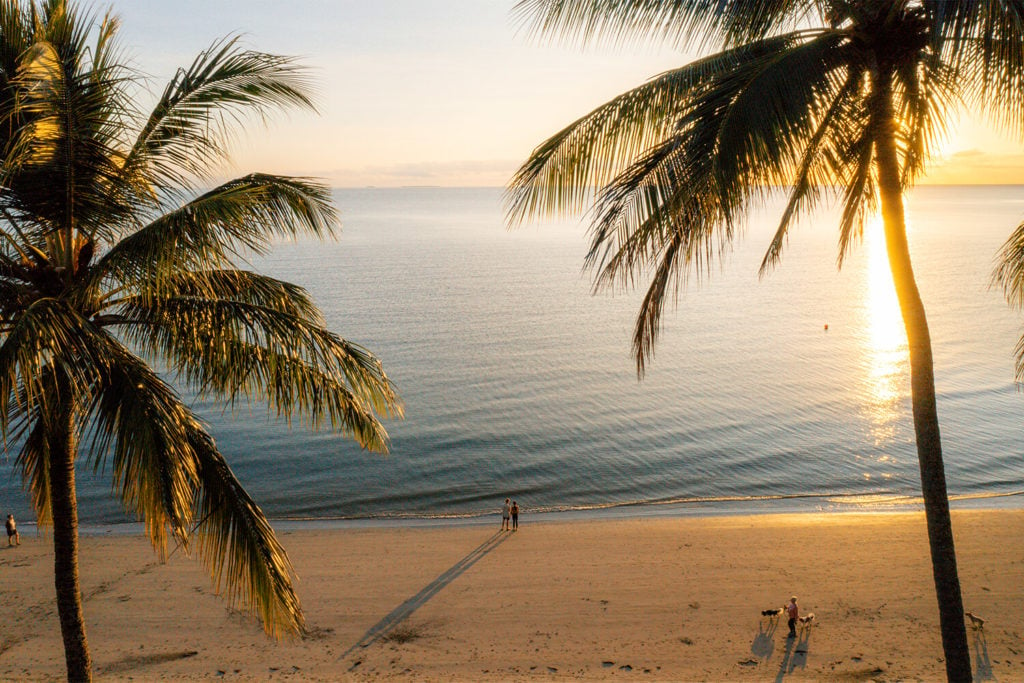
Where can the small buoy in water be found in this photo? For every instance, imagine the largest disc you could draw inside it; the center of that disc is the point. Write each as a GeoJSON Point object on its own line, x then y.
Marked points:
{"type": "Point", "coordinates": [826, 327]}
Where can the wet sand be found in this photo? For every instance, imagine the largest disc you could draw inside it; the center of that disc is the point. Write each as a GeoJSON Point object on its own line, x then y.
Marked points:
{"type": "Point", "coordinates": [675, 599]}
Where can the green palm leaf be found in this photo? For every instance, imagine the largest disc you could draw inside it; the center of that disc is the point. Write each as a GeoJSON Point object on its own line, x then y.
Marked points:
{"type": "Point", "coordinates": [188, 131]}
{"type": "Point", "coordinates": [107, 263]}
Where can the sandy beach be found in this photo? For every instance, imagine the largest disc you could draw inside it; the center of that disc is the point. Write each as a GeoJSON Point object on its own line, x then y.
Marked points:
{"type": "Point", "coordinates": [674, 599]}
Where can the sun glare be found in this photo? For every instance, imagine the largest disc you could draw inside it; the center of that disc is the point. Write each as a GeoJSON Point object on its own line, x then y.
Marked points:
{"type": "Point", "coordinates": [886, 352]}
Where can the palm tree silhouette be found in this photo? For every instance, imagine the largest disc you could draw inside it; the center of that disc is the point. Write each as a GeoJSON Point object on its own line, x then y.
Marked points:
{"type": "Point", "coordinates": [828, 98]}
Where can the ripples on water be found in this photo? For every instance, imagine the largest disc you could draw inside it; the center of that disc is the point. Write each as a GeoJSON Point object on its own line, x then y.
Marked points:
{"type": "Point", "coordinates": [517, 382]}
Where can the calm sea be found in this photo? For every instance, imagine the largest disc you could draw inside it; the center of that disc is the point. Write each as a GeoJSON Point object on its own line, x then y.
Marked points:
{"type": "Point", "coordinates": [789, 392]}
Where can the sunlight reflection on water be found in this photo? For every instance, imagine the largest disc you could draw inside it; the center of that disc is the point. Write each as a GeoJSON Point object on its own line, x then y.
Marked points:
{"type": "Point", "coordinates": [886, 343]}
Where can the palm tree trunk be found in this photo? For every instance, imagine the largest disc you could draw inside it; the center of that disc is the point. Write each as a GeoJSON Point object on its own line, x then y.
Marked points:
{"type": "Point", "coordinates": [64, 510]}
{"type": "Point", "coordinates": [922, 388]}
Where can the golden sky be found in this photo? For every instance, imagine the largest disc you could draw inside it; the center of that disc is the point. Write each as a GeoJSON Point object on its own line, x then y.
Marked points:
{"type": "Point", "coordinates": [436, 92]}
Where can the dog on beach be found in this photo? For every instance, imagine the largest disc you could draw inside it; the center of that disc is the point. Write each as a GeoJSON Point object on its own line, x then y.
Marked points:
{"type": "Point", "coordinates": [977, 623]}
{"type": "Point", "coordinates": [807, 620]}
{"type": "Point", "coordinates": [771, 612]}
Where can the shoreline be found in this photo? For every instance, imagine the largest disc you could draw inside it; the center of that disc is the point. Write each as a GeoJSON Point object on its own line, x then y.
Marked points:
{"type": "Point", "coordinates": [665, 598]}
{"type": "Point", "coordinates": [800, 504]}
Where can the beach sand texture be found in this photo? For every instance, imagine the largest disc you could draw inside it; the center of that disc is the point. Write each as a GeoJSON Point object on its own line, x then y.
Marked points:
{"type": "Point", "coordinates": [675, 599]}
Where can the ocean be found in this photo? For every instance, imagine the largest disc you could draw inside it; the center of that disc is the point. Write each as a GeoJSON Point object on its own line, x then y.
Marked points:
{"type": "Point", "coordinates": [783, 393]}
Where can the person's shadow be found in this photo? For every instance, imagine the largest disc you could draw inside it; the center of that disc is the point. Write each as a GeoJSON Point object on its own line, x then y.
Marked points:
{"type": "Point", "coordinates": [764, 642]}
{"type": "Point", "coordinates": [982, 665]}
{"type": "Point", "coordinates": [796, 654]}
{"type": "Point", "coordinates": [403, 611]}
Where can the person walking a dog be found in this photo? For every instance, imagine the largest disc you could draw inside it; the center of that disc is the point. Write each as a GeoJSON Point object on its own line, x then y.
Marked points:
{"type": "Point", "coordinates": [793, 612]}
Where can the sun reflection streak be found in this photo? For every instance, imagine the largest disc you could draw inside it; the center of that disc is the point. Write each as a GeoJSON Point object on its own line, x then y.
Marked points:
{"type": "Point", "coordinates": [886, 352]}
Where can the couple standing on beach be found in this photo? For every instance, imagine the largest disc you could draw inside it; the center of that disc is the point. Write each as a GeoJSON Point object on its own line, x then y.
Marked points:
{"type": "Point", "coordinates": [510, 510]}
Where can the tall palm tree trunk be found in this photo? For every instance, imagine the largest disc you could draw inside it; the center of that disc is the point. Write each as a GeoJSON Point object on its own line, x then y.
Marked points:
{"type": "Point", "coordinates": [922, 389]}
{"type": "Point", "coordinates": [64, 510]}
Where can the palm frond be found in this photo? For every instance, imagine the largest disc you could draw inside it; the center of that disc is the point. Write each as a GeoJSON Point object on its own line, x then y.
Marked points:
{"type": "Point", "coordinates": [859, 196]}
{"type": "Point", "coordinates": [33, 461]}
{"type": "Point", "coordinates": [769, 117]}
{"type": "Point", "coordinates": [187, 133]}
{"type": "Point", "coordinates": [927, 94]}
{"type": "Point", "coordinates": [241, 349]}
{"type": "Point", "coordinates": [648, 320]}
{"type": "Point", "coordinates": [1009, 276]}
{"type": "Point", "coordinates": [677, 206]}
{"type": "Point", "coordinates": [138, 422]}
{"type": "Point", "coordinates": [984, 43]}
{"type": "Point", "coordinates": [170, 473]}
{"type": "Point", "coordinates": [811, 179]}
{"type": "Point", "coordinates": [563, 173]}
{"type": "Point", "coordinates": [239, 217]}
{"type": "Point", "coordinates": [49, 331]}
{"type": "Point", "coordinates": [66, 116]}
{"type": "Point", "coordinates": [238, 546]}
{"type": "Point", "coordinates": [684, 23]}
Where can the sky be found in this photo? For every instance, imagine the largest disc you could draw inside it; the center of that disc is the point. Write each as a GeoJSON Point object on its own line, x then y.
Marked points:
{"type": "Point", "coordinates": [435, 92]}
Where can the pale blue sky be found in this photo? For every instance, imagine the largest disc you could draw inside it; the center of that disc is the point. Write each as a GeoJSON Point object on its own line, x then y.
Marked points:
{"type": "Point", "coordinates": [414, 92]}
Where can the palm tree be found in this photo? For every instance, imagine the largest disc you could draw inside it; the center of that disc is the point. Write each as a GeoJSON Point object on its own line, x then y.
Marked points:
{"type": "Point", "coordinates": [839, 99]}
{"type": "Point", "coordinates": [118, 252]}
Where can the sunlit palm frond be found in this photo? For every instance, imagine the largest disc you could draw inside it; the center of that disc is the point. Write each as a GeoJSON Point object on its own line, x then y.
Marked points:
{"type": "Point", "coordinates": [242, 217]}
{"type": "Point", "coordinates": [237, 544]}
{"type": "Point", "coordinates": [107, 263]}
{"type": "Point", "coordinates": [242, 286]}
{"type": "Point", "coordinates": [138, 425]}
{"type": "Point", "coordinates": [33, 461]}
{"type": "Point", "coordinates": [1009, 276]}
{"type": "Point", "coordinates": [49, 331]}
{"type": "Point", "coordinates": [239, 349]}
{"type": "Point", "coordinates": [187, 133]}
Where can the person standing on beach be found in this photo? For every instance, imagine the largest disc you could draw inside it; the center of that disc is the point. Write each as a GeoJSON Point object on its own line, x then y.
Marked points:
{"type": "Point", "coordinates": [13, 537]}
{"type": "Point", "coordinates": [515, 516]}
{"type": "Point", "coordinates": [506, 512]}
{"type": "Point", "coordinates": [793, 612]}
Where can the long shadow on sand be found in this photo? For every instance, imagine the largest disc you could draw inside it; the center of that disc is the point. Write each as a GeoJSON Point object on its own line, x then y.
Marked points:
{"type": "Point", "coordinates": [403, 611]}
{"type": "Point", "coordinates": [982, 664]}
{"type": "Point", "coordinates": [764, 642]}
{"type": "Point", "coordinates": [796, 654]}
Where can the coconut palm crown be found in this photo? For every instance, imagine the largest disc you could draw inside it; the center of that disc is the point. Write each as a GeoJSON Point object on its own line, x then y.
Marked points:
{"type": "Point", "coordinates": [834, 100]}
{"type": "Point", "coordinates": [119, 256]}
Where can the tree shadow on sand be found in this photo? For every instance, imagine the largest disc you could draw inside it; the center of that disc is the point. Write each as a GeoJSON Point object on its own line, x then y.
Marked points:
{"type": "Point", "coordinates": [403, 611]}
{"type": "Point", "coordinates": [764, 642]}
{"type": "Point", "coordinates": [796, 654]}
{"type": "Point", "coordinates": [982, 664]}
